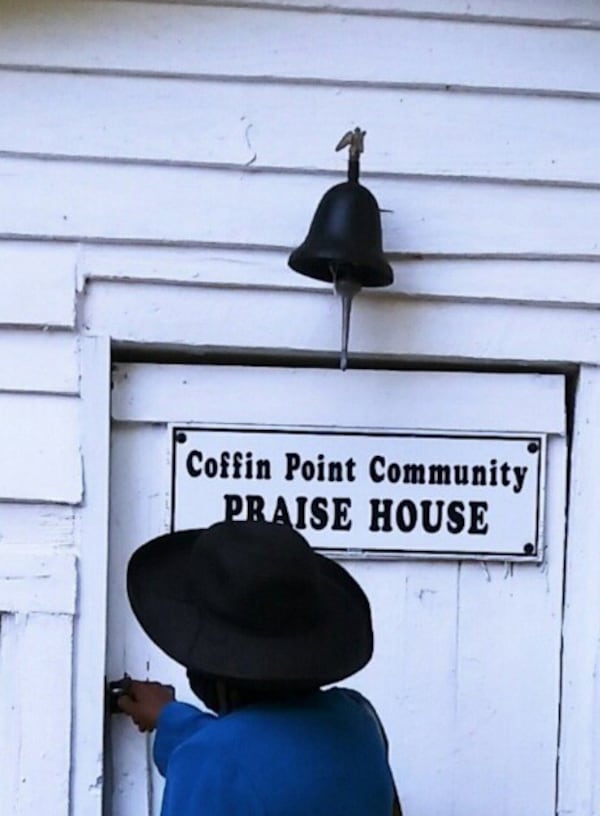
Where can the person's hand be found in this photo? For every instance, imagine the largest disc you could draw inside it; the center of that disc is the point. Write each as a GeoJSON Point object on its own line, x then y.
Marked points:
{"type": "Point", "coordinates": [144, 701]}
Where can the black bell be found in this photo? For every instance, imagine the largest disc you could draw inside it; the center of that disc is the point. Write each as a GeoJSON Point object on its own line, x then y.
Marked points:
{"type": "Point", "coordinates": [344, 238]}
{"type": "Point", "coordinates": [344, 245]}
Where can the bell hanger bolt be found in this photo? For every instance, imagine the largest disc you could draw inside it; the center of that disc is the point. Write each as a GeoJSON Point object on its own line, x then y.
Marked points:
{"type": "Point", "coordinates": [344, 243]}
{"type": "Point", "coordinates": [355, 140]}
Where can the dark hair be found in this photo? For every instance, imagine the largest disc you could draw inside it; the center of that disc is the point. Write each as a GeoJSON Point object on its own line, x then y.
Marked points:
{"type": "Point", "coordinates": [221, 694]}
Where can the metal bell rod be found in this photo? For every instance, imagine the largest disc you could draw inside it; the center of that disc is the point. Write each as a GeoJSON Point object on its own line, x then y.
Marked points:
{"type": "Point", "coordinates": [345, 287]}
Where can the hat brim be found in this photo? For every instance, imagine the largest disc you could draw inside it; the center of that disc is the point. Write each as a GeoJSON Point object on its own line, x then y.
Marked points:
{"type": "Point", "coordinates": [157, 586]}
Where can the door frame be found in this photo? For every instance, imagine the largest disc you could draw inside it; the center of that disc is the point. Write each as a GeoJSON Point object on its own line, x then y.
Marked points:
{"type": "Point", "coordinates": [579, 741]}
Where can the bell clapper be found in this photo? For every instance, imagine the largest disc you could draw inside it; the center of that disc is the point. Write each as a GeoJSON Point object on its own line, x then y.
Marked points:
{"type": "Point", "coordinates": [346, 288]}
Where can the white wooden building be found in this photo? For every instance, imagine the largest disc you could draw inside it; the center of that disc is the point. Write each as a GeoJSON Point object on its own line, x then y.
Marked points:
{"type": "Point", "coordinates": [158, 162]}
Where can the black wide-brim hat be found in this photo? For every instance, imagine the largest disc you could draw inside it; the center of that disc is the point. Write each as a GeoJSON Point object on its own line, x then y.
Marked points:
{"type": "Point", "coordinates": [250, 601]}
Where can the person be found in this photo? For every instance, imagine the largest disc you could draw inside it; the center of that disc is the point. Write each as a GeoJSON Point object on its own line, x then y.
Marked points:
{"type": "Point", "coordinates": [262, 623]}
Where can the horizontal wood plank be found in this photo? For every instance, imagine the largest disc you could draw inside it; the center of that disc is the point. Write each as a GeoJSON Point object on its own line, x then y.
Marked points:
{"type": "Point", "coordinates": [172, 393]}
{"type": "Point", "coordinates": [38, 361]}
{"type": "Point", "coordinates": [37, 581]}
{"type": "Point", "coordinates": [25, 527]}
{"type": "Point", "coordinates": [575, 283]}
{"type": "Point", "coordinates": [233, 123]}
{"type": "Point", "coordinates": [228, 41]}
{"type": "Point", "coordinates": [153, 204]}
{"type": "Point", "coordinates": [558, 12]}
{"type": "Point", "coordinates": [37, 285]}
{"type": "Point", "coordinates": [39, 449]}
{"type": "Point", "coordinates": [286, 322]}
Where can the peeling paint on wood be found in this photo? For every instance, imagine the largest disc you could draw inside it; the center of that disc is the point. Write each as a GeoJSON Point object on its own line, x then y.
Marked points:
{"type": "Point", "coordinates": [35, 676]}
{"type": "Point", "coordinates": [36, 527]}
{"type": "Point", "coordinates": [37, 581]}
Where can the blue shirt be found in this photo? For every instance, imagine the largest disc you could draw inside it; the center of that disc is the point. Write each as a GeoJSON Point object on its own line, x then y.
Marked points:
{"type": "Point", "coordinates": [320, 755]}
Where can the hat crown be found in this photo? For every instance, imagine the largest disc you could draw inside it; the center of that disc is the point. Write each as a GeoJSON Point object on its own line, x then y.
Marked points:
{"type": "Point", "coordinates": [258, 576]}
{"type": "Point", "coordinates": [250, 601]}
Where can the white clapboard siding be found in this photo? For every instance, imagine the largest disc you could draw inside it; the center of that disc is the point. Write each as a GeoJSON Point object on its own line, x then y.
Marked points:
{"type": "Point", "coordinates": [120, 203]}
{"type": "Point", "coordinates": [556, 12]}
{"type": "Point", "coordinates": [255, 42]}
{"type": "Point", "coordinates": [309, 322]}
{"type": "Point", "coordinates": [39, 448]}
{"type": "Point", "coordinates": [176, 393]}
{"type": "Point", "coordinates": [25, 527]}
{"type": "Point", "coordinates": [35, 717]}
{"type": "Point", "coordinates": [37, 284]}
{"type": "Point", "coordinates": [575, 283]}
{"type": "Point", "coordinates": [38, 361]}
{"type": "Point", "coordinates": [37, 581]}
{"type": "Point", "coordinates": [234, 123]}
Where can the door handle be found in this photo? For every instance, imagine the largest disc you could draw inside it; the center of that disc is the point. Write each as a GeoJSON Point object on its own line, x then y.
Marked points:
{"type": "Point", "coordinates": [114, 690]}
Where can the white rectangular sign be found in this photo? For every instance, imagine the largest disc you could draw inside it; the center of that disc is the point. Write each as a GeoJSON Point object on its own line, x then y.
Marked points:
{"type": "Point", "coordinates": [367, 493]}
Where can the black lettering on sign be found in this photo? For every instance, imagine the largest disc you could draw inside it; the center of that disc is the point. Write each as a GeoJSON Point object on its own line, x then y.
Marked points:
{"type": "Point", "coordinates": [341, 519]}
{"type": "Point", "coordinates": [300, 512]}
{"type": "Point", "coordinates": [319, 469]}
{"type": "Point", "coordinates": [429, 516]}
{"type": "Point", "coordinates": [227, 465]}
{"type": "Point", "coordinates": [432, 519]}
{"type": "Point", "coordinates": [438, 473]}
{"type": "Point", "coordinates": [381, 516]}
{"type": "Point", "coordinates": [456, 517]}
{"type": "Point", "coordinates": [194, 463]}
{"type": "Point", "coordinates": [406, 516]}
{"type": "Point", "coordinates": [478, 524]}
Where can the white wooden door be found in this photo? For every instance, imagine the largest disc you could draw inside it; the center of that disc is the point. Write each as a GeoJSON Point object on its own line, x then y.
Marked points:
{"type": "Point", "coordinates": [466, 672]}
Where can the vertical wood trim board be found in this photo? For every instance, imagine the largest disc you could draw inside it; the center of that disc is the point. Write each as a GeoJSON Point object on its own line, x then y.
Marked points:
{"type": "Point", "coordinates": [579, 786]}
{"type": "Point", "coordinates": [90, 632]}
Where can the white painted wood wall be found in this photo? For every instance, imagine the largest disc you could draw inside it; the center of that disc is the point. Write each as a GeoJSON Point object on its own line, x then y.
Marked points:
{"type": "Point", "coordinates": [157, 163]}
